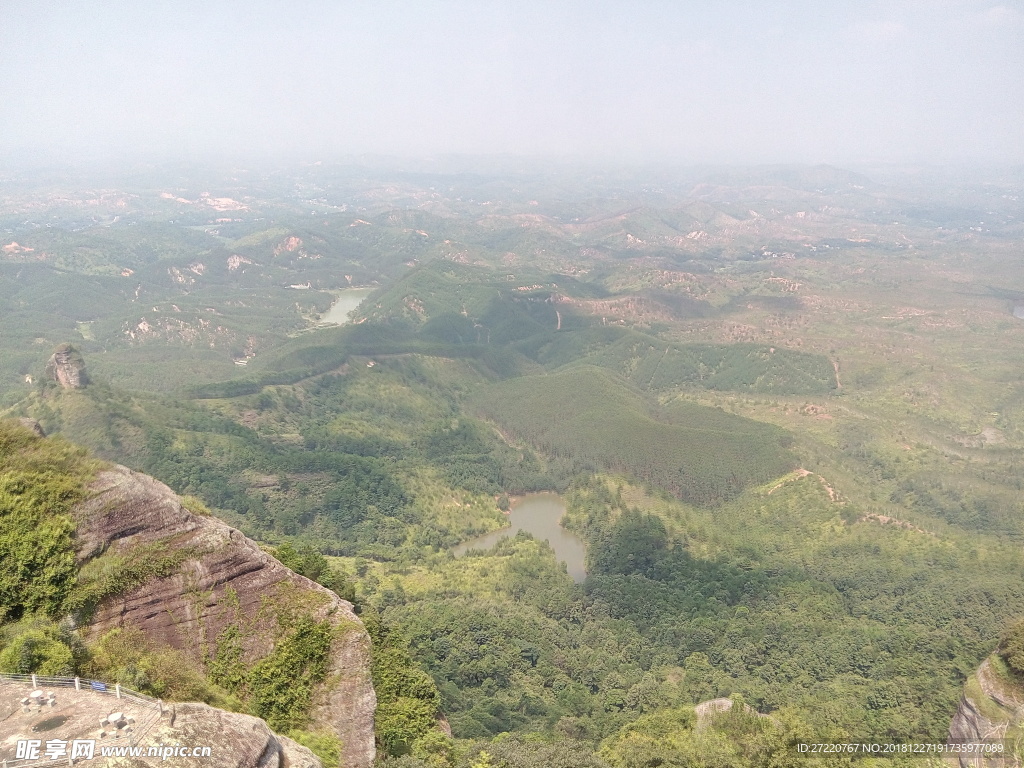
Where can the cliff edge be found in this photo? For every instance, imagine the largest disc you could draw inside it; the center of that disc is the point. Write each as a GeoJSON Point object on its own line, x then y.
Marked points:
{"type": "Point", "coordinates": [212, 593]}
{"type": "Point", "coordinates": [991, 708]}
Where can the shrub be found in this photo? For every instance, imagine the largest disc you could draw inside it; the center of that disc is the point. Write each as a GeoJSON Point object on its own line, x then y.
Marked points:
{"type": "Point", "coordinates": [40, 479]}
{"type": "Point", "coordinates": [37, 647]}
{"type": "Point", "coordinates": [280, 686]}
{"type": "Point", "coordinates": [323, 744]}
{"type": "Point", "coordinates": [1011, 647]}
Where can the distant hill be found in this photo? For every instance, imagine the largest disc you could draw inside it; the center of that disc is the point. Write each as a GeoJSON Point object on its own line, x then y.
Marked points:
{"type": "Point", "coordinates": [816, 178]}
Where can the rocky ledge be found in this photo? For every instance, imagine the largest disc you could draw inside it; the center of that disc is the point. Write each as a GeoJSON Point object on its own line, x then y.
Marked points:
{"type": "Point", "coordinates": [221, 579]}
{"type": "Point", "coordinates": [990, 708]}
{"type": "Point", "coordinates": [165, 737]}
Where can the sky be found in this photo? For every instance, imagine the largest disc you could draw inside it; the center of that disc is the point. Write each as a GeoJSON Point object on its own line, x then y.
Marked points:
{"type": "Point", "coordinates": [717, 81]}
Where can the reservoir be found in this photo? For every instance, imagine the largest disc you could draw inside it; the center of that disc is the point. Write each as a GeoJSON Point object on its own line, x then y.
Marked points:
{"type": "Point", "coordinates": [539, 514]}
{"type": "Point", "coordinates": [347, 301]}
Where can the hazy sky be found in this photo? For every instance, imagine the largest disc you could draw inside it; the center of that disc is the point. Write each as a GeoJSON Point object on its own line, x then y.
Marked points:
{"type": "Point", "coordinates": [710, 81]}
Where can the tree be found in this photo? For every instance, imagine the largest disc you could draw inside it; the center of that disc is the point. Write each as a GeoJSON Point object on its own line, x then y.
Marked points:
{"type": "Point", "coordinates": [1011, 647]}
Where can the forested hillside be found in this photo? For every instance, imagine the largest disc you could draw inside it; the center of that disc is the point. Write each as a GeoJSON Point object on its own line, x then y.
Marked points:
{"type": "Point", "coordinates": [787, 430]}
{"type": "Point", "coordinates": [702, 455]}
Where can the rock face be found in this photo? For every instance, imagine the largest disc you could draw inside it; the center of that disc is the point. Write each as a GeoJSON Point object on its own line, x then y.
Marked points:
{"type": "Point", "coordinates": [224, 579]}
{"type": "Point", "coordinates": [989, 709]}
{"type": "Point", "coordinates": [67, 367]}
{"type": "Point", "coordinates": [235, 740]}
{"type": "Point", "coordinates": [708, 709]}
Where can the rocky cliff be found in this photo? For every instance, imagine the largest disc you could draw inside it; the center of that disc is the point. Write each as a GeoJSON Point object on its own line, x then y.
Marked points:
{"type": "Point", "coordinates": [991, 708]}
{"type": "Point", "coordinates": [67, 367]}
{"type": "Point", "coordinates": [208, 578]}
{"type": "Point", "coordinates": [235, 740]}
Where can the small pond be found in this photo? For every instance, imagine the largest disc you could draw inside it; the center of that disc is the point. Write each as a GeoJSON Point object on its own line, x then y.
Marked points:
{"type": "Point", "coordinates": [346, 303]}
{"type": "Point", "coordinates": [538, 514]}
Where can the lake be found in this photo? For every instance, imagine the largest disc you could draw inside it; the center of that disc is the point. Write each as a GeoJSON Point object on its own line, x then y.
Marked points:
{"type": "Point", "coordinates": [539, 514]}
{"type": "Point", "coordinates": [347, 301]}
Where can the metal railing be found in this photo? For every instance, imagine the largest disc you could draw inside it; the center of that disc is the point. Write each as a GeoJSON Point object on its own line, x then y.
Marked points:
{"type": "Point", "coordinates": [80, 684]}
{"type": "Point", "coordinates": [89, 686]}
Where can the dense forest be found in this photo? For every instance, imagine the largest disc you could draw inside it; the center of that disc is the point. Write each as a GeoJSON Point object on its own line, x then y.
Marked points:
{"type": "Point", "coordinates": [700, 454]}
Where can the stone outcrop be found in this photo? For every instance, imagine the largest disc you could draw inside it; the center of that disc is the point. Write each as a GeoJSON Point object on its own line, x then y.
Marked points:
{"type": "Point", "coordinates": [706, 710]}
{"type": "Point", "coordinates": [223, 579]}
{"type": "Point", "coordinates": [989, 709]}
{"type": "Point", "coordinates": [33, 426]}
{"type": "Point", "coordinates": [67, 367]}
{"type": "Point", "coordinates": [234, 740]}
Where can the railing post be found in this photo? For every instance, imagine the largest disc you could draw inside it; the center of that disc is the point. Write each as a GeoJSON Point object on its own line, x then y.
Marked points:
{"type": "Point", "coordinates": [78, 684]}
{"type": "Point", "coordinates": [34, 680]}
{"type": "Point", "coordinates": [117, 689]}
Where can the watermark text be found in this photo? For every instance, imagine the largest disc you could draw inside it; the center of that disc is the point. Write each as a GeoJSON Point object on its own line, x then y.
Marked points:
{"type": "Point", "coordinates": [85, 749]}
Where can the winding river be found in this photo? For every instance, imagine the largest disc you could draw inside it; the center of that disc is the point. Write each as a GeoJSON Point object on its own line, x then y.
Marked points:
{"type": "Point", "coordinates": [538, 514]}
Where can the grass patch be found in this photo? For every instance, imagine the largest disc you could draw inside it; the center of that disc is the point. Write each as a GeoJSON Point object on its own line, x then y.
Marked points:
{"type": "Point", "coordinates": [323, 744]}
{"type": "Point", "coordinates": [116, 574]}
{"type": "Point", "coordinates": [986, 706]}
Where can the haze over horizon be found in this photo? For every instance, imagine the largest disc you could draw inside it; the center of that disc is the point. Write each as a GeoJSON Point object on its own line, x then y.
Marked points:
{"type": "Point", "coordinates": [739, 82]}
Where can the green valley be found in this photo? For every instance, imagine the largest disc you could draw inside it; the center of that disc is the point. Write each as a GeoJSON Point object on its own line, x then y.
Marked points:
{"type": "Point", "coordinates": [784, 409]}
